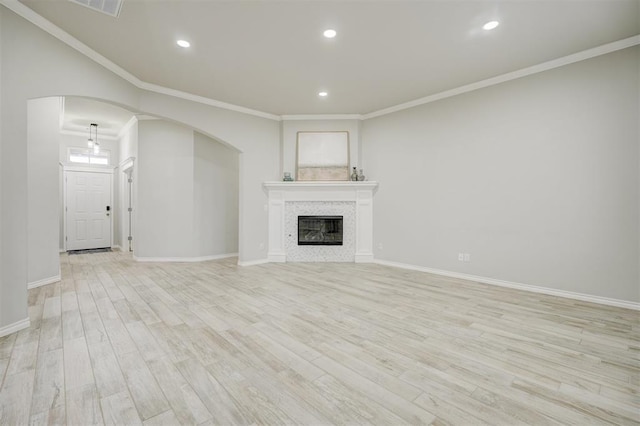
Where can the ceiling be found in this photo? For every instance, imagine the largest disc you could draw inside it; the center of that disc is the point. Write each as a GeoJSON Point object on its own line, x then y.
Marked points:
{"type": "Point", "coordinates": [271, 55]}
{"type": "Point", "coordinates": [79, 113]}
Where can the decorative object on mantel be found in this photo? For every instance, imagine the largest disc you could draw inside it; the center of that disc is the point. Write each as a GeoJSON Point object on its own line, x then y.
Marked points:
{"type": "Point", "coordinates": [357, 176]}
{"type": "Point", "coordinates": [287, 177]}
{"type": "Point", "coordinates": [322, 156]}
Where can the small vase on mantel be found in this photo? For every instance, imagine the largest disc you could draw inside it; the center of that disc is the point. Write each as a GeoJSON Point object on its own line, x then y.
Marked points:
{"type": "Point", "coordinates": [360, 176]}
{"type": "Point", "coordinates": [354, 175]}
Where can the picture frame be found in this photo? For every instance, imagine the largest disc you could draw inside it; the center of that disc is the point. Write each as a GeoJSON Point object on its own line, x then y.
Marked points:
{"type": "Point", "coordinates": [322, 156]}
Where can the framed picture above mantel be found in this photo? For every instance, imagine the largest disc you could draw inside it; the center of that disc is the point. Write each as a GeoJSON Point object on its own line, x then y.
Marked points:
{"type": "Point", "coordinates": [322, 156]}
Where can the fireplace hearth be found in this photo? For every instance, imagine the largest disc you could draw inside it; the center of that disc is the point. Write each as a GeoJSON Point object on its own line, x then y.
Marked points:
{"type": "Point", "coordinates": [320, 230]}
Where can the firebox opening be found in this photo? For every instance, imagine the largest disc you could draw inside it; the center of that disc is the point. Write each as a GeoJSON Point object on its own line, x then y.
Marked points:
{"type": "Point", "coordinates": [319, 230]}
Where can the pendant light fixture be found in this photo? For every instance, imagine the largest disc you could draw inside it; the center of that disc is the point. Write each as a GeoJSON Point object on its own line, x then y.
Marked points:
{"type": "Point", "coordinates": [91, 142]}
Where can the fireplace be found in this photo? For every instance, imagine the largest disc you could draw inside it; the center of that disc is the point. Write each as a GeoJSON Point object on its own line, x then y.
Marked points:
{"type": "Point", "coordinates": [351, 200]}
{"type": "Point", "coordinates": [320, 230]}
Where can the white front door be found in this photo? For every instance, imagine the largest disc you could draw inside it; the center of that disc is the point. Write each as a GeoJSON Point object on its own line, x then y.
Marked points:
{"type": "Point", "coordinates": [88, 208]}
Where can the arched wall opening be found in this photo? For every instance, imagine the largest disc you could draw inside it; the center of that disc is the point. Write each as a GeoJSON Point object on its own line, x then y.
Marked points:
{"type": "Point", "coordinates": [184, 188]}
{"type": "Point", "coordinates": [28, 74]}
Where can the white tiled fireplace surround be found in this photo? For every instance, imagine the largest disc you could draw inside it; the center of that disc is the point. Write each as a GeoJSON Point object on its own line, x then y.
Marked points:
{"type": "Point", "coordinates": [352, 200]}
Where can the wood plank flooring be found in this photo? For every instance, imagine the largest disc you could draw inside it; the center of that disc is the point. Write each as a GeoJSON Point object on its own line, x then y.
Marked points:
{"type": "Point", "coordinates": [120, 342]}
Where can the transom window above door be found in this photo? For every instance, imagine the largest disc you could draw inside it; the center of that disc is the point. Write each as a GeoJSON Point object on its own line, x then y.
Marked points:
{"type": "Point", "coordinates": [88, 156]}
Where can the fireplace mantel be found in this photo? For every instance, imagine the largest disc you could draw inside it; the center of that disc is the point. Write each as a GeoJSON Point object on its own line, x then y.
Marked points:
{"type": "Point", "coordinates": [361, 193]}
{"type": "Point", "coordinates": [323, 186]}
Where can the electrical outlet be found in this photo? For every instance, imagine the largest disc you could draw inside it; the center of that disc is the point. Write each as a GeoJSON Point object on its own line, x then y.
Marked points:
{"type": "Point", "coordinates": [379, 246]}
{"type": "Point", "coordinates": [467, 257]}
{"type": "Point", "coordinates": [261, 246]}
{"type": "Point", "coordinates": [461, 257]}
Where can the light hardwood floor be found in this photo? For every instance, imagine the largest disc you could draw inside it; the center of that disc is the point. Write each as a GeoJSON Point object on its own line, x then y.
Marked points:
{"type": "Point", "coordinates": [120, 342]}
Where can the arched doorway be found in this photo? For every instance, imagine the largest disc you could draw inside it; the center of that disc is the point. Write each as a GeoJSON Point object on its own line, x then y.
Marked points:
{"type": "Point", "coordinates": [57, 128]}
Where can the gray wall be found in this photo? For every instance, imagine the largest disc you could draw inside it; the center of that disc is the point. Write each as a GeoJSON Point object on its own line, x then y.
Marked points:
{"type": "Point", "coordinates": [43, 140]}
{"type": "Point", "coordinates": [187, 193]}
{"type": "Point", "coordinates": [36, 65]}
{"type": "Point", "coordinates": [290, 129]}
{"type": "Point", "coordinates": [536, 178]}
{"type": "Point", "coordinates": [5, 318]}
{"type": "Point", "coordinates": [216, 187]}
{"type": "Point", "coordinates": [165, 190]}
{"type": "Point", "coordinates": [257, 139]}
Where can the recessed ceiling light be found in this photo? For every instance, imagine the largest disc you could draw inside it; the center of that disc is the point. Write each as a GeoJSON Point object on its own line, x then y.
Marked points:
{"type": "Point", "coordinates": [330, 33]}
{"type": "Point", "coordinates": [183, 43]}
{"type": "Point", "coordinates": [490, 25]}
{"type": "Point", "coordinates": [322, 94]}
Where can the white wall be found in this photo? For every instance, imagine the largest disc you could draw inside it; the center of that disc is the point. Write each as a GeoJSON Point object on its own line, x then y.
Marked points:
{"type": "Point", "coordinates": [216, 187]}
{"type": "Point", "coordinates": [164, 226]}
{"type": "Point", "coordinates": [290, 129]}
{"type": "Point", "coordinates": [43, 139]}
{"type": "Point", "coordinates": [536, 178]}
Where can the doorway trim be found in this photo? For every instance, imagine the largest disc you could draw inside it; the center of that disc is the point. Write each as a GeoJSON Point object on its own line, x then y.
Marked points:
{"type": "Point", "coordinates": [126, 208]}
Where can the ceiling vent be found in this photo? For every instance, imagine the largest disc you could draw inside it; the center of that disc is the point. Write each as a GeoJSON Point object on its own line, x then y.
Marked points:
{"type": "Point", "coordinates": [109, 7]}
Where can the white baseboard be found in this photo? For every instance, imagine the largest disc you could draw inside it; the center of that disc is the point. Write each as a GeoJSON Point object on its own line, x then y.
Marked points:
{"type": "Point", "coordinates": [364, 258]}
{"type": "Point", "coordinates": [253, 262]}
{"type": "Point", "coordinates": [16, 326]}
{"type": "Point", "coordinates": [276, 257]}
{"type": "Point", "coordinates": [44, 281]}
{"type": "Point", "coordinates": [116, 247]}
{"type": "Point", "coordinates": [518, 286]}
{"type": "Point", "coordinates": [184, 259]}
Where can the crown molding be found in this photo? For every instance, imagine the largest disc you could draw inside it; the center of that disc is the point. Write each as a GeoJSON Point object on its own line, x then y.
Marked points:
{"type": "Point", "coordinates": [47, 26]}
{"type": "Point", "coordinates": [545, 66]}
{"type": "Point", "coordinates": [300, 117]}
{"type": "Point", "coordinates": [207, 101]}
